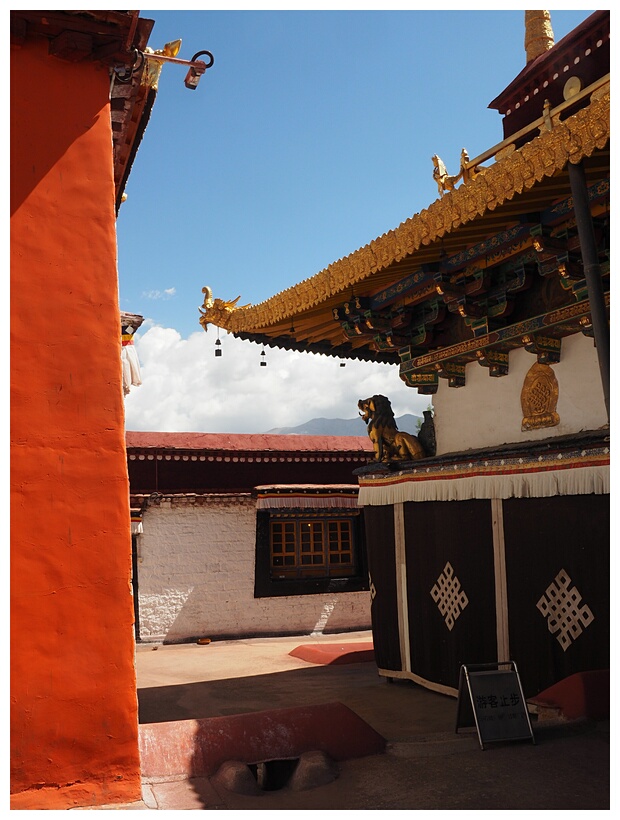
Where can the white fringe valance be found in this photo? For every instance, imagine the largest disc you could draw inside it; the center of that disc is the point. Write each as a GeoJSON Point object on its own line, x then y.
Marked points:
{"type": "Point", "coordinates": [291, 501]}
{"type": "Point", "coordinates": [576, 481]}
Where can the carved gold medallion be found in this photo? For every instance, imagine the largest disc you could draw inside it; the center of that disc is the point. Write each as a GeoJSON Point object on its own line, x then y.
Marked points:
{"type": "Point", "coordinates": [539, 398]}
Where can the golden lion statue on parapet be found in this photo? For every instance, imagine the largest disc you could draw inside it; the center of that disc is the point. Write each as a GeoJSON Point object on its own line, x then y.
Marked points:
{"type": "Point", "coordinates": [388, 442]}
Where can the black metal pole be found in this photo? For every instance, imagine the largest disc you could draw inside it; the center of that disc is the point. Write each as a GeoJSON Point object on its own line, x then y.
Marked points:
{"type": "Point", "coordinates": [592, 270]}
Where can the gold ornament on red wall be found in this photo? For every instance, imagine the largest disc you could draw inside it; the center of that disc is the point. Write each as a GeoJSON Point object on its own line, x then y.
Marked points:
{"type": "Point", "coordinates": [539, 398]}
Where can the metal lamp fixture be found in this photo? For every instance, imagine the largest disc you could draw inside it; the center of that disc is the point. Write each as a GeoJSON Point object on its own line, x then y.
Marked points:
{"type": "Point", "coordinates": [156, 59]}
{"type": "Point", "coordinates": [196, 69]}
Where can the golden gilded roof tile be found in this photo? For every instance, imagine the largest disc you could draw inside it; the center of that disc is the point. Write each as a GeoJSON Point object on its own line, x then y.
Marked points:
{"type": "Point", "coordinates": [571, 140]}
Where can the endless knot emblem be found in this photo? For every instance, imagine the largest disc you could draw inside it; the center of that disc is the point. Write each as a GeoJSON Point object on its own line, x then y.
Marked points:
{"type": "Point", "coordinates": [539, 398]}
{"type": "Point", "coordinates": [560, 605]}
{"type": "Point", "coordinates": [373, 589]}
{"type": "Point", "coordinates": [448, 595]}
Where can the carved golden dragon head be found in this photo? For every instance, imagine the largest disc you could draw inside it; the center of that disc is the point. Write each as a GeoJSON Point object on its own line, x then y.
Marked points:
{"type": "Point", "coordinates": [217, 311]}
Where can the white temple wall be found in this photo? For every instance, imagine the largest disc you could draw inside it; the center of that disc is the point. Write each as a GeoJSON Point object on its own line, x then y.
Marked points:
{"type": "Point", "coordinates": [196, 564]}
{"type": "Point", "coordinates": [487, 412]}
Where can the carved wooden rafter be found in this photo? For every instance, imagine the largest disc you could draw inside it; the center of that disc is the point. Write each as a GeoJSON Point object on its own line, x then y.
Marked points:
{"type": "Point", "coordinates": [484, 295]}
{"type": "Point", "coordinates": [540, 335]}
{"type": "Point", "coordinates": [547, 349]}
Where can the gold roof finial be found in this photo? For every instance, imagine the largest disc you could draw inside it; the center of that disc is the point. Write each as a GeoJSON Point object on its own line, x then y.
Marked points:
{"type": "Point", "coordinates": [154, 66]}
{"type": "Point", "coordinates": [538, 34]}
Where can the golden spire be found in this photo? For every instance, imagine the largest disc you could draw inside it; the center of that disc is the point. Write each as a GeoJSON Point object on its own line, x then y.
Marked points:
{"type": "Point", "coordinates": [538, 34]}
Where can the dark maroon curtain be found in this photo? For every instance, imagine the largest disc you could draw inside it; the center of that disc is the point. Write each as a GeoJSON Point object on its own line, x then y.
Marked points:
{"type": "Point", "coordinates": [379, 524]}
{"type": "Point", "coordinates": [457, 533]}
{"type": "Point", "coordinates": [548, 542]}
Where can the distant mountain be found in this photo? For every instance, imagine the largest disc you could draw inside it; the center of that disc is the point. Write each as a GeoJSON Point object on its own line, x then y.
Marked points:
{"type": "Point", "coordinates": [343, 427]}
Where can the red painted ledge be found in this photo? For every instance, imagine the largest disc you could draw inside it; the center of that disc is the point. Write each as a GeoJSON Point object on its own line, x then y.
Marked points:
{"type": "Point", "coordinates": [582, 695]}
{"type": "Point", "coordinates": [334, 653]}
{"type": "Point", "coordinates": [195, 748]}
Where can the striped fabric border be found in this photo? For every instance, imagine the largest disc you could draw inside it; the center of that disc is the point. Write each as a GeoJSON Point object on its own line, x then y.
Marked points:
{"type": "Point", "coordinates": [274, 501]}
{"type": "Point", "coordinates": [576, 473]}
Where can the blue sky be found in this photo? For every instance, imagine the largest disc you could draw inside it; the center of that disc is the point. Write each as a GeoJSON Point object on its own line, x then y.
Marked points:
{"type": "Point", "coordinates": [311, 135]}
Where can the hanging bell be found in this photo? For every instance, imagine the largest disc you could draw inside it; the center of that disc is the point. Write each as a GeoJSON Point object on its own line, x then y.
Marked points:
{"type": "Point", "coordinates": [263, 359]}
{"type": "Point", "coordinates": [218, 347]}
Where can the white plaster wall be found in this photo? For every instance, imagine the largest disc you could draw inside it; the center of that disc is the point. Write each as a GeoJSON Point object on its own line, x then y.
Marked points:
{"type": "Point", "coordinates": [196, 579]}
{"type": "Point", "coordinates": [487, 411]}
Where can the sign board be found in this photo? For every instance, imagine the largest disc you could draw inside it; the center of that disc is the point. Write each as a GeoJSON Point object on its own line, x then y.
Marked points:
{"type": "Point", "coordinates": [491, 698]}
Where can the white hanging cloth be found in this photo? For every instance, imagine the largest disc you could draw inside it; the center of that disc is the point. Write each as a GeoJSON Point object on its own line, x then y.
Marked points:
{"type": "Point", "coordinates": [129, 358]}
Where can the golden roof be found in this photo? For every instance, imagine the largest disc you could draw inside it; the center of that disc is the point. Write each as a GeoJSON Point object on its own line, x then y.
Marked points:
{"type": "Point", "coordinates": [518, 181]}
{"type": "Point", "coordinates": [499, 249]}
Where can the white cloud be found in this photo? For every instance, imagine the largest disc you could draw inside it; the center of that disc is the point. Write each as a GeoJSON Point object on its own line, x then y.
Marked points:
{"type": "Point", "coordinates": [185, 388]}
{"type": "Point", "coordinates": [159, 294]}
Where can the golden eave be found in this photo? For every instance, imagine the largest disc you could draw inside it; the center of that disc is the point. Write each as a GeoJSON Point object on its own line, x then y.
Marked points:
{"type": "Point", "coordinates": [513, 173]}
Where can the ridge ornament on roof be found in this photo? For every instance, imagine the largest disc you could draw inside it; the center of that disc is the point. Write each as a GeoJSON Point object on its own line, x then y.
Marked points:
{"type": "Point", "coordinates": [467, 172]}
{"type": "Point", "coordinates": [216, 311]}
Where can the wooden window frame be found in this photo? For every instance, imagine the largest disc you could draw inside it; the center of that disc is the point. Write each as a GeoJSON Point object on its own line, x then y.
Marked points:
{"type": "Point", "coordinates": [334, 558]}
{"type": "Point", "coordinates": [311, 547]}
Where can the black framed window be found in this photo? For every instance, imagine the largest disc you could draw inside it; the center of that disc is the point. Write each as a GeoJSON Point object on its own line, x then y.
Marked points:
{"type": "Point", "coordinates": [306, 551]}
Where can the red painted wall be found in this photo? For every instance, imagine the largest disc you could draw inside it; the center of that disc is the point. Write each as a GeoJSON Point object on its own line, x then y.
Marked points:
{"type": "Point", "coordinates": [74, 718]}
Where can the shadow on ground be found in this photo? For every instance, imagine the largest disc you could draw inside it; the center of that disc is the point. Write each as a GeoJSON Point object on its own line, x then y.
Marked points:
{"type": "Point", "coordinates": [396, 710]}
{"type": "Point", "coordinates": [567, 769]}
{"type": "Point", "coordinates": [426, 765]}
